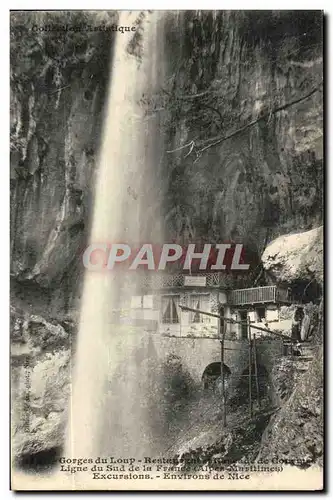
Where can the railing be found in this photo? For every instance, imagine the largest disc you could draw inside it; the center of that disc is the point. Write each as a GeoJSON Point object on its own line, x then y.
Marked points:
{"type": "Point", "coordinates": [258, 295]}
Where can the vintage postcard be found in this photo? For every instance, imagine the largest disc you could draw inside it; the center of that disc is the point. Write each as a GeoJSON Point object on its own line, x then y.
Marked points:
{"type": "Point", "coordinates": [167, 250]}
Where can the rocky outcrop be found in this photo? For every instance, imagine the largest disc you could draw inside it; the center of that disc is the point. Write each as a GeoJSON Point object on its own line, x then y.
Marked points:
{"type": "Point", "coordinates": [296, 259]}
{"type": "Point", "coordinates": [40, 366]}
{"type": "Point", "coordinates": [295, 433]}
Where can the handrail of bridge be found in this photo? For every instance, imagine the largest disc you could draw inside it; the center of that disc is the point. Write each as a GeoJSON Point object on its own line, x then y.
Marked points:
{"type": "Point", "coordinates": [234, 321]}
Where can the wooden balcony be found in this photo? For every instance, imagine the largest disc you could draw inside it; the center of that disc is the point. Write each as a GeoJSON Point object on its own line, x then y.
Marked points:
{"type": "Point", "coordinates": [239, 297]}
{"type": "Point", "coordinates": [259, 295]}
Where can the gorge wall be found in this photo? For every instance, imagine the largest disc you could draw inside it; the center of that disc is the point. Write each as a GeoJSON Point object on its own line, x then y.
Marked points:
{"type": "Point", "coordinates": [256, 79]}
{"type": "Point", "coordinates": [58, 87]}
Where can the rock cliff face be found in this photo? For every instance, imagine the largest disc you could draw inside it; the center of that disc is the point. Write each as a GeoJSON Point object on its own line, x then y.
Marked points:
{"type": "Point", "coordinates": [256, 79]}
{"type": "Point", "coordinates": [58, 85]}
{"type": "Point", "coordinates": [295, 434]}
{"type": "Point", "coordinates": [246, 101]}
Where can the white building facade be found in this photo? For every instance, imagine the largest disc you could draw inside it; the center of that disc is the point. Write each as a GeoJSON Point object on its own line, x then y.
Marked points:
{"type": "Point", "coordinates": [161, 307]}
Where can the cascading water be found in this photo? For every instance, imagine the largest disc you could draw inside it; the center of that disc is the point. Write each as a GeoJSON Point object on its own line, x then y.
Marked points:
{"type": "Point", "coordinates": [112, 409]}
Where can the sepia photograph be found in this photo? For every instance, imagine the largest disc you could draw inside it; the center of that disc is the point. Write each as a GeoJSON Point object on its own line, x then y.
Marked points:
{"type": "Point", "coordinates": [166, 250]}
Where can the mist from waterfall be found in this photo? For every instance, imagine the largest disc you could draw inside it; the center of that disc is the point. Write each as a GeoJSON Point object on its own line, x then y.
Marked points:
{"type": "Point", "coordinates": [114, 410]}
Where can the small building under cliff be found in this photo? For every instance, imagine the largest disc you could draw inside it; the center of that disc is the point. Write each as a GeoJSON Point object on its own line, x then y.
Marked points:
{"type": "Point", "coordinates": [160, 303]}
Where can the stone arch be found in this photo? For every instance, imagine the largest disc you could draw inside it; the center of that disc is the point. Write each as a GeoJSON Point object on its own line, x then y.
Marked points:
{"type": "Point", "coordinates": [212, 373]}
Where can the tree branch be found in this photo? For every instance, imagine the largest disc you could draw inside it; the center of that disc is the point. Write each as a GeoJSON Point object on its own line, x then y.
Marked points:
{"type": "Point", "coordinates": [193, 96]}
{"type": "Point", "coordinates": [263, 117]}
{"type": "Point", "coordinates": [191, 143]}
{"type": "Point", "coordinates": [186, 97]}
{"type": "Point", "coordinates": [268, 115]}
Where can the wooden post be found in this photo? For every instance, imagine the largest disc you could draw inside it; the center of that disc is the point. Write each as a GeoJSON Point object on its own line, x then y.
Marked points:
{"type": "Point", "coordinates": [256, 367]}
{"type": "Point", "coordinates": [250, 367]}
{"type": "Point", "coordinates": [224, 410]}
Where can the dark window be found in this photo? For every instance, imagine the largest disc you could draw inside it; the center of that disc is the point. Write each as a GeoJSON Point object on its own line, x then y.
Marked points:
{"type": "Point", "coordinates": [243, 319]}
{"type": "Point", "coordinates": [200, 302]}
{"type": "Point", "coordinates": [170, 310]}
{"type": "Point", "coordinates": [261, 313]}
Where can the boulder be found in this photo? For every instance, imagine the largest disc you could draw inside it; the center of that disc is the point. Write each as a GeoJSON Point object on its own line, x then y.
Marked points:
{"type": "Point", "coordinates": [295, 258]}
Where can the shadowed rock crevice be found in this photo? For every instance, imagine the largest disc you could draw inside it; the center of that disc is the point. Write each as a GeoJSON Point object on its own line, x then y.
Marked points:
{"type": "Point", "coordinates": [40, 461]}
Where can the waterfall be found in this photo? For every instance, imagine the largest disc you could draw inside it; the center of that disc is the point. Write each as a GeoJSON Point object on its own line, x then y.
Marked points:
{"type": "Point", "coordinates": [112, 408]}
